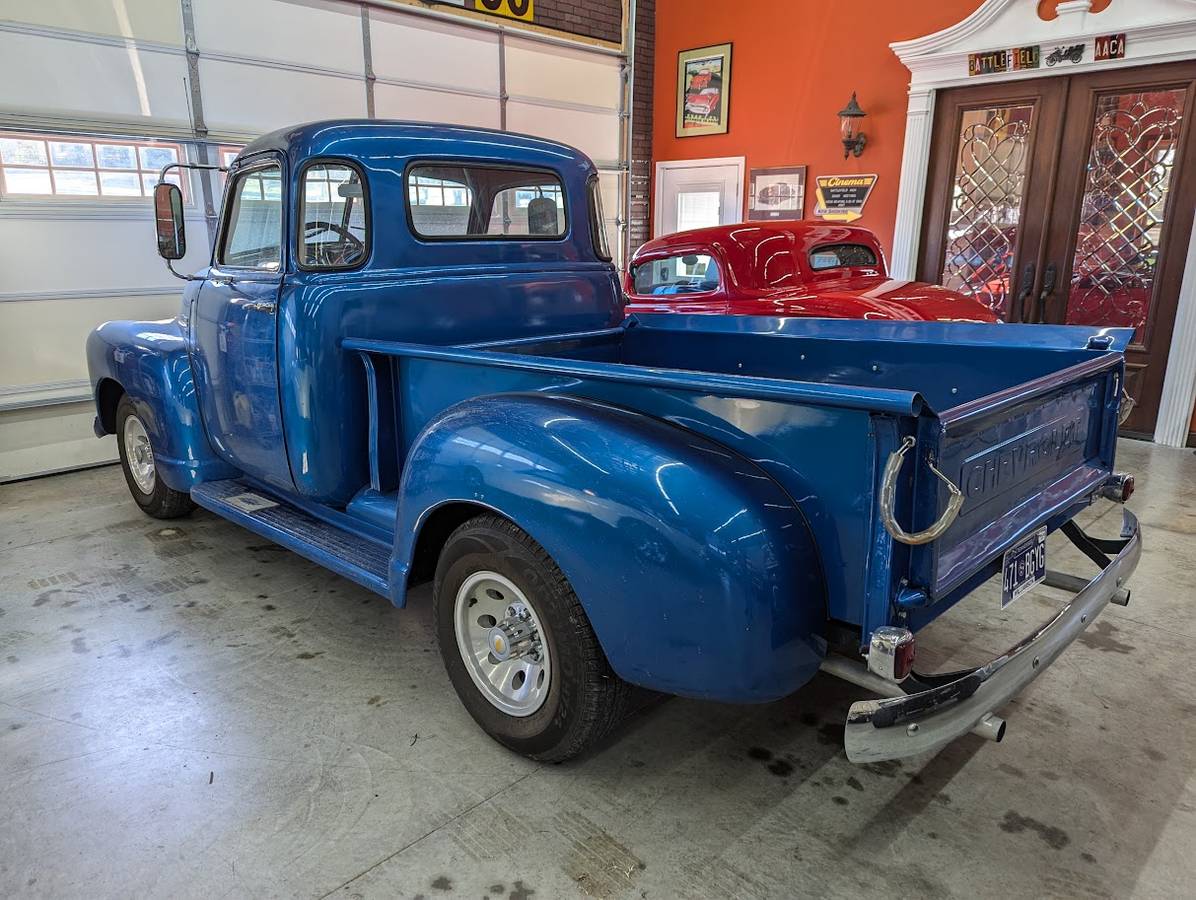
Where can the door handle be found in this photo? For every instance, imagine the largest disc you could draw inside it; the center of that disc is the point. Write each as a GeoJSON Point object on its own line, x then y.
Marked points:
{"type": "Point", "coordinates": [1027, 287]}
{"type": "Point", "coordinates": [1048, 289]}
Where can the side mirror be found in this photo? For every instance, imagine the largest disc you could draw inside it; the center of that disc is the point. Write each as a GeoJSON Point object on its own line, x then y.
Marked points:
{"type": "Point", "coordinates": [168, 219]}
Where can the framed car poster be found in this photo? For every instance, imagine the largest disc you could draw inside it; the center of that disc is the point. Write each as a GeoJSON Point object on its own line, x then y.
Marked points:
{"type": "Point", "coordinates": [777, 193]}
{"type": "Point", "coordinates": [703, 90]}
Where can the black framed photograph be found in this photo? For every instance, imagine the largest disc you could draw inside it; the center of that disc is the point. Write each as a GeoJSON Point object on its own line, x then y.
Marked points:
{"type": "Point", "coordinates": [777, 193]}
{"type": "Point", "coordinates": [703, 90]}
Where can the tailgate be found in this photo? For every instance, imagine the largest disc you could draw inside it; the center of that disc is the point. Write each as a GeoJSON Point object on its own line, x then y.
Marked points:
{"type": "Point", "coordinates": [1021, 457]}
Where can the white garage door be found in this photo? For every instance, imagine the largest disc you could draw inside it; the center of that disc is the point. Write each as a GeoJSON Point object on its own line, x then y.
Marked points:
{"type": "Point", "coordinates": [95, 96]}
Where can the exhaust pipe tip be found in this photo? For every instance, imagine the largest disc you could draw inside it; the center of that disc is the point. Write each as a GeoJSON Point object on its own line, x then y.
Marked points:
{"type": "Point", "coordinates": [991, 728]}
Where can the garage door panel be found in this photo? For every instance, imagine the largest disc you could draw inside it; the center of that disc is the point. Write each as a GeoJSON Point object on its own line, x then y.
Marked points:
{"type": "Point", "coordinates": [393, 102]}
{"type": "Point", "coordinates": [49, 76]}
{"type": "Point", "coordinates": [562, 74]}
{"type": "Point", "coordinates": [282, 31]}
{"type": "Point", "coordinates": [595, 134]}
{"type": "Point", "coordinates": [143, 20]}
{"type": "Point", "coordinates": [62, 327]}
{"type": "Point", "coordinates": [433, 53]}
{"type": "Point", "coordinates": [254, 99]}
{"type": "Point", "coordinates": [40, 256]}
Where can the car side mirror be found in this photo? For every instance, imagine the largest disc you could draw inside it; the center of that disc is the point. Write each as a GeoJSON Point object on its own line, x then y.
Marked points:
{"type": "Point", "coordinates": [168, 219]}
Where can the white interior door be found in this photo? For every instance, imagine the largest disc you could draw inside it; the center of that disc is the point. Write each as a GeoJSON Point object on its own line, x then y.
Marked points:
{"type": "Point", "coordinates": [698, 193]}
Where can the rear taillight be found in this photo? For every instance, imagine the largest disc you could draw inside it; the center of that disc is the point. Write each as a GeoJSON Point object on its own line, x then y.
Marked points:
{"type": "Point", "coordinates": [891, 653]}
{"type": "Point", "coordinates": [1119, 487]}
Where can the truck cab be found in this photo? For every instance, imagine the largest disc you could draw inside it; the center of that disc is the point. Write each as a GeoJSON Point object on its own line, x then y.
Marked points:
{"type": "Point", "coordinates": [408, 361]}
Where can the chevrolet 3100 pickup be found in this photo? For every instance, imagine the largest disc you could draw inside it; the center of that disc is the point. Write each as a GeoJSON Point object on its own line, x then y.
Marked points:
{"type": "Point", "coordinates": [408, 361]}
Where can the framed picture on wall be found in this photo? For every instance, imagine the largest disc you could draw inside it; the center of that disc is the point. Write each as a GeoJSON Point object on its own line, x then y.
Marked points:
{"type": "Point", "coordinates": [778, 193]}
{"type": "Point", "coordinates": [703, 90]}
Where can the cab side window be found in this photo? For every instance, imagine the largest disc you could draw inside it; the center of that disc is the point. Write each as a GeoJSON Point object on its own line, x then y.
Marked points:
{"type": "Point", "coordinates": [691, 273]}
{"type": "Point", "coordinates": [332, 216]}
{"type": "Point", "coordinates": [253, 236]}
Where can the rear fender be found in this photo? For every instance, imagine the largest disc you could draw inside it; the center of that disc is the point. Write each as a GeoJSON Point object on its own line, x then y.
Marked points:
{"type": "Point", "coordinates": [696, 569]}
{"type": "Point", "coordinates": [149, 362]}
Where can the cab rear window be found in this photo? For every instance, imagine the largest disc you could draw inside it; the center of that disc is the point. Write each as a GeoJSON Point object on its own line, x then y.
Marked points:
{"type": "Point", "coordinates": [485, 203]}
{"type": "Point", "coordinates": [691, 273]}
{"type": "Point", "coordinates": [834, 256]}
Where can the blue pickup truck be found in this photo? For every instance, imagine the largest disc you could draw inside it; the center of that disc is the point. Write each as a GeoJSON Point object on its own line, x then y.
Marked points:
{"type": "Point", "coordinates": [409, 361]}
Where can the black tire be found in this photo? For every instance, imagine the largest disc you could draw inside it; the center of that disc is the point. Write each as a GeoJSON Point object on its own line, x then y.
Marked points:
{"type": "Point", "coordinates": [162, 502]}
{"type": "Point", "coordinates": [586, 700]}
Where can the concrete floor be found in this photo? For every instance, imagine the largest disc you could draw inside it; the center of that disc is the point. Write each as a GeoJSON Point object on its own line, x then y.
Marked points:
{"type": "Point", "coordinates": [187, 710]}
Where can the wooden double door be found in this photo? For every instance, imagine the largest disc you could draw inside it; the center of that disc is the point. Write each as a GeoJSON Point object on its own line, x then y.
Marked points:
{"type": "Point", "coordinates": [1069, 199]}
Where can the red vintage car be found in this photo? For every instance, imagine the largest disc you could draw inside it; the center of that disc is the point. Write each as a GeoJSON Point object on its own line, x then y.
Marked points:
{"type": "Point", "coordinates": [784, 268]}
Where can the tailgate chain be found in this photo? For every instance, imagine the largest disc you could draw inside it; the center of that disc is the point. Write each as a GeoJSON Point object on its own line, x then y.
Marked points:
{"type": "Point", "coordinates": [888, 497]}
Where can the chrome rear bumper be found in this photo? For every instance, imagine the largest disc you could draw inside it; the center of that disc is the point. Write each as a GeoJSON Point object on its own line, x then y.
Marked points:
{"type": "Point", "coordinates": [951, 705]}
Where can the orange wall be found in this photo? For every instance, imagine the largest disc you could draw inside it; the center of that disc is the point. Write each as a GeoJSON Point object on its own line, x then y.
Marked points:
{"type": "Point", "coordinates": [794, 65]}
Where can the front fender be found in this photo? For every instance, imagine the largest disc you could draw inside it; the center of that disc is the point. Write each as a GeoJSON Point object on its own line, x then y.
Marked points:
{"type": "Point", "coordinates": [149, 361]}
{"type": "Point", "coordinates": [696, 569]}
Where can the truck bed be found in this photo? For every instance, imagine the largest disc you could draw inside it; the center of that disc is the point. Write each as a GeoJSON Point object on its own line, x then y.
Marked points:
{"type": "Point", "coordinates": [1015, 415]}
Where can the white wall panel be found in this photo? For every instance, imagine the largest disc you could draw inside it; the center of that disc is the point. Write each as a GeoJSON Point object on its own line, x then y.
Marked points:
{"type": "Point", "coordinates": [44, 338]}
{"type": "Point", "coordinates": [75, 79]}
{"type": "Point", "coordinates": [50, 439]}
{"type": "Point", "coordinates": [320, 34]}
{"type": "Point", "coordinates": [391, 102]}
{"type": "Point", "coordinates": [40, 256]}
{"type": "Point", "coordinates": [251, 99]}
{"type": "Point", "coordinates": [143, 20]}
{"type": "Point", "coordinates": [596, 134]}
{"type": "Point", "coordinates": [405, 49]}
{"type": "Point", "coordinates": [560, 73]}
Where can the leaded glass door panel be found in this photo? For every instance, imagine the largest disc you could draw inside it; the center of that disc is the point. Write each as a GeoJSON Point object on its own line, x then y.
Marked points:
{"type": "Point", "coordinates": [1122, 215]}
{"type": "Point", "coordinates": [993, 151]}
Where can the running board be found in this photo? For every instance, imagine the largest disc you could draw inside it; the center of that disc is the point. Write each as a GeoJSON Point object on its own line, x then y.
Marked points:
{"type": "Point", "coordinates": [356, 558]}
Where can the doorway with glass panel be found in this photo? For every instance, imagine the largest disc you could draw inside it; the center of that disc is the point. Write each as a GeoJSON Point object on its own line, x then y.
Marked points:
{"type": "Point", "coordinates": [696, 193]}
{"type": "Point", "coordinates": [1069, 199]}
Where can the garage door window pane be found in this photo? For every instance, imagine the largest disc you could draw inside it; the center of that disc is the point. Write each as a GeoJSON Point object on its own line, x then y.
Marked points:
{"type": "Point", "coordinates": [116, 156]}
{"type": "Point", "coordinates": [157, 157]}
{"type": "Point", "coordinates": [27, 181]}
{"type": "Point", "coordinates": [70, 154]}
{"type": "Point", "coordinates": [253, 236]}
{"type": "Point", "coordinates": [76, 183]}
{"type": "Point", "coordinates": [22, 152]}
{"type": "Point", "coordinates": [120, 184]}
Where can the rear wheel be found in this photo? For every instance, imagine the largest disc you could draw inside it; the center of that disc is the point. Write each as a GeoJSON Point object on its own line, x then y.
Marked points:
{"type": "Point", "coordinates": [152, 494]}
{"type": "Point", "coordinates": [518, 646]}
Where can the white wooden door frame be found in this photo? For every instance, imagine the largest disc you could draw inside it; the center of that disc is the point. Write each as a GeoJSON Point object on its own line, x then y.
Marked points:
{"type": "Point", "coordinates": [672, 165]}
{"type": "Point", "coordinates": [1157, 31]}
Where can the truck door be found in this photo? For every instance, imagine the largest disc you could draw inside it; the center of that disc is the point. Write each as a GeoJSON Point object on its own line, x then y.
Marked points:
{"type": "Point", "coordinates": [233, 331]}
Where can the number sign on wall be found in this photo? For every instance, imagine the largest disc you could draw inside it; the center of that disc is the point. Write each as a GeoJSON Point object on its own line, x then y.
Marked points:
{"type": "Point", "coordinates": [512, 9]}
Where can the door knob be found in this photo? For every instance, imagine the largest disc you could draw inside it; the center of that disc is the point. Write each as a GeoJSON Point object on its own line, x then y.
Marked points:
{"type": "Point", "coordinates": [1027, 287]}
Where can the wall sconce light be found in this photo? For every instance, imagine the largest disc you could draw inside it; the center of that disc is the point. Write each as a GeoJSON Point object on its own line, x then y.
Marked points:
{"type": "Point", "coordinates": [849, 124]}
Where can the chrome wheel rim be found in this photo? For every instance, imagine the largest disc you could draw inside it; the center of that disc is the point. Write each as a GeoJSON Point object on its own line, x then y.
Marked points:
{"type": "Point", "coordinates": [501, 642]}
{"type": "Point", "coordinates": [139, 455]}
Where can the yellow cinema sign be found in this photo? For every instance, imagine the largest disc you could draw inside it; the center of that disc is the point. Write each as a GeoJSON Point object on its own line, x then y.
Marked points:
{"type": "Point", "coordinates": [512, 9]}
{"type": "Point", "coordinates": [841, 198]}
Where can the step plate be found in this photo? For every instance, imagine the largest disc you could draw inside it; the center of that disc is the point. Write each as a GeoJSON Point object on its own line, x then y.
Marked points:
{"type": "Point", "coordinates": [357, 558]}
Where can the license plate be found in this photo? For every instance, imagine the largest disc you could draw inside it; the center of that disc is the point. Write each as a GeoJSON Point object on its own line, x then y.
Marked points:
{"type": "Point", "coordinates": [1025, 566]}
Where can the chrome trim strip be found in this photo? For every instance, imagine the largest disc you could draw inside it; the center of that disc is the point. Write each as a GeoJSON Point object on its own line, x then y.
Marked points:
{"type": "Point", "coordinates": [893, 728]}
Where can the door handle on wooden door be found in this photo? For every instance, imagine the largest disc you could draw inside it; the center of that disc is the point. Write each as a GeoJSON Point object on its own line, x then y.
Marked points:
{"type": "Point", "coordinates": [1049, 277]}
{"type": "Point", "coordinates": [1026, 289]}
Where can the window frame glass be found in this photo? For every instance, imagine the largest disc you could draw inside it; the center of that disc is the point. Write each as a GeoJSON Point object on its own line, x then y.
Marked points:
{"type": "Point", "coordinates": [301, 205]}
{"type": "Point", "coordinates": [415, 164]}
{"type": "Point", "coordinates": [597, 223]}
{"type": "Point", "coordinates": [823, 248]}
{"type": "Point", "coordinates": [681, 295]}
{"type": "Point", "coordinates": [138, 170]}
{"type": "Point", "coordinates": [234, 179]}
